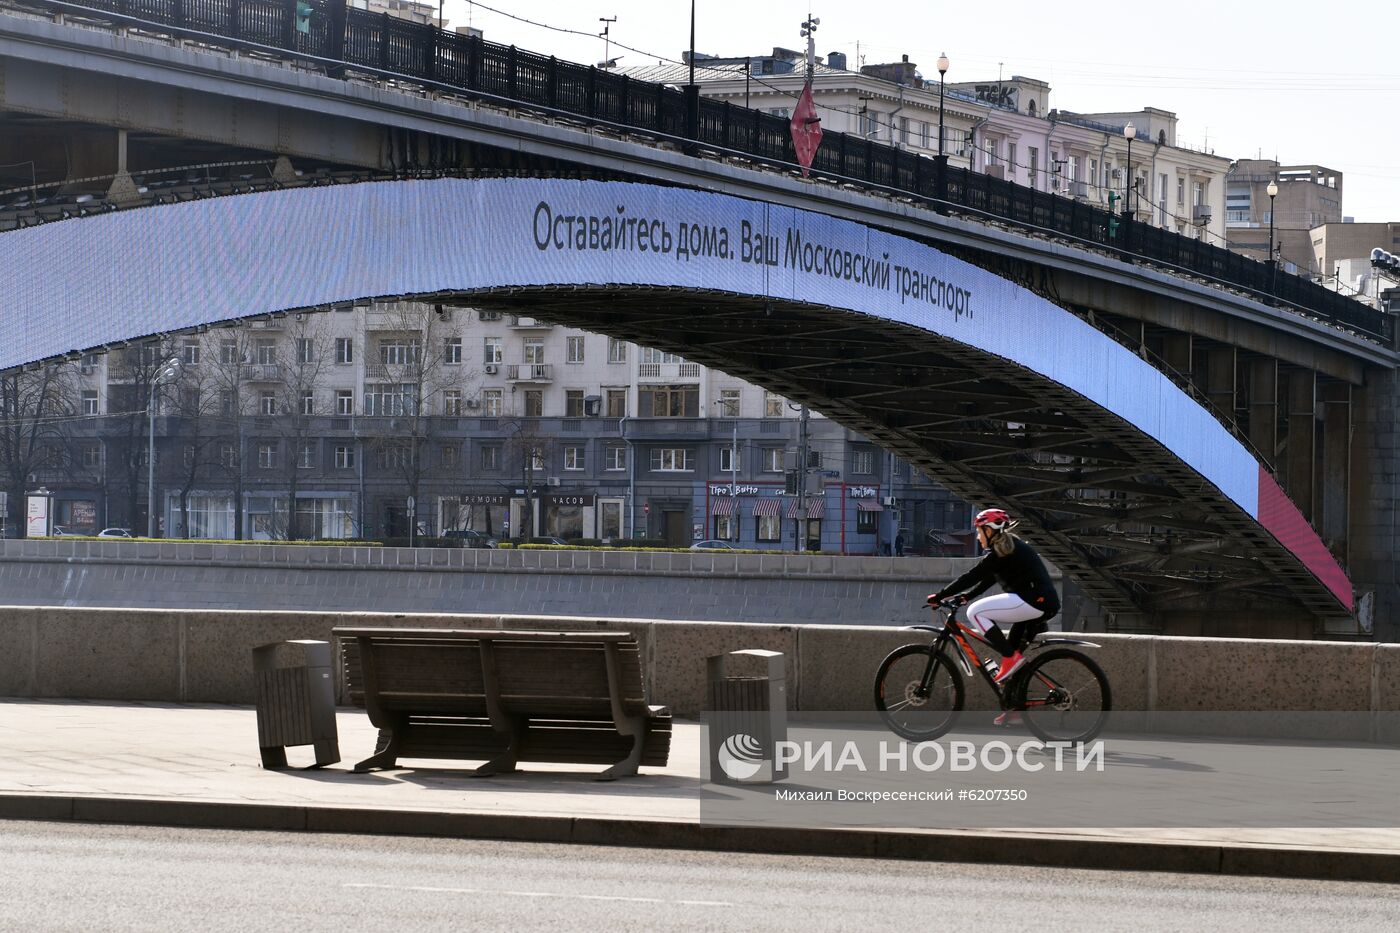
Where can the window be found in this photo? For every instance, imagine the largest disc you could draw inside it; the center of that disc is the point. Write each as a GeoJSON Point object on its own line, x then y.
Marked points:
{"type": "Point", "coordinates": [266, 350]}
{"type": "Point", "coordinates": [867, 523]}
{"type": "Point", "coordinates": [491, 403]}
{"type": "Point", "coordinates": [189, 352]}
{"type": "Point", "coordinates": [393, 457]}
{"type": "Point", "coordinates": [490, 456]}
{"type": "Point", "coordinates": [537, 459]}
{"type": "Point", "coordinates": [91, 456]}
{"type": "Point", "coordinates": [730, 460]}
{"type": "Point", "coordinates": [724, 527]}
{"type": "Point", "coordinates": [89, 401]}
{"type": "Point", "coordinates": [450, 456]}
{"type": "Point", "coordinates": [1011, 158]}
{"type": "Point", "coordinates": [267, 402]}
{"type": "Point", "coordinates": [344, 350]}
{"type": "Point", "coordinates": [344, 457]}
{"type": "Point", "coordinates": [534, 350]}
{"type": "Point", "coordinates": [870, 125]}
{"type": "Point", "coordinates": [617, 350]}
{"type": "Point", "coordinates": [615, 458]}
{"type": "Point", "coordinates": [573, 403]}
{"type": "Point", "coordinates": [729, 403]}
{"type": "Point", "coordinates": [344, 401]}
{"type": "Point", "coordinates": [189, 400]}
{"type": "Point", "coordinates": [228, 352]}
{"type": "Point", "coordinates": [534, 403]}
{"type": "Point", "coordinates": [228, 456]}
{"type": "Point", "coordinates": [679, 401]}
{"type": "Point", "coordinates": [770, 528]}
{"type": "Point", "coordinates": [267, 456]}
{"type": "Point", "coordinates": [1181, 191]}
{"type": "Point", "coordinates": [308, 403]}
{"type": "Point", "coordinates": [452, 351]}
{"type": "Point", "coordinates": [400, 351]}
{"type": "Point", "coordinates": [992, 150]}
{"type": "Point", "coordinates": [306, 457]}
{"type": "Point", "coordinates": [228, 402]}
{"type": "Point", "coordinates": [651, 355]}
{"type": "Point", "coordinates": [672, 459]}
{"type": "Point", "coordinates": [617, 403]}
{"type": "Point", "coordinates": [390, 399]}
{"type": "Point", "coordinates": [452, 402]}
{"type": "Point", "coordinates": [306, 351]}
{"type": "Point", "coordinates": [772, 405]}
{"type": "Point", "coordinates": [863, 461]}
{"type": "Point", "coordinates": [573, 350]}
{"type": "Point", "coordinates": [1033, 165]}
{"type": "Point", "coordinates": [491, 350]}
{"type": "Point", "coordinates": [1198, 193]}
{"type": "Point", "coordinates": [923, 134]}
{"type": "Point", "coordinates": [573, 458]}
{"type": "Point", "coordinates": [773, 460]}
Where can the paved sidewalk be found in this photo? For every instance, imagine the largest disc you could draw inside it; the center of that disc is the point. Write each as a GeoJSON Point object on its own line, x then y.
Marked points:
{"type": "Point", "coordinates": [192, 764]}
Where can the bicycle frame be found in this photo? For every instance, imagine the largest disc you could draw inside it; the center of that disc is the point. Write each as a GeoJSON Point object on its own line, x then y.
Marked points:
{"type": "Point", "coordinates": [961, 634]}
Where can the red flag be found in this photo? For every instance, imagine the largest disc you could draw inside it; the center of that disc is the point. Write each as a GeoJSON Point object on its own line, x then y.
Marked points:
{"type": "Point", "coordinates": [806, 129]}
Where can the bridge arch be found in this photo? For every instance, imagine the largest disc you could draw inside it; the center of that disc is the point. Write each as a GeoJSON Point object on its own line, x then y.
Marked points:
{"type": "Point", "coordinates": [1137, 491]}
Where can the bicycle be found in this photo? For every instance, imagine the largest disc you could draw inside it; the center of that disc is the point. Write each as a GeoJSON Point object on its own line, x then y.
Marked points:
{"type": "Point", "coordinates": [1062, 694]}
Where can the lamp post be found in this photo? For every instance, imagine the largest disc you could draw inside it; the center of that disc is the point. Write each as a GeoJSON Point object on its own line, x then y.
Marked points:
{"type": "Point", "coordinates": [1129, 131]}
{"type": "Point", "coordinates": [1272, 191]}
{"type": "Point", "coordinates": [168, 370]}
{"type": "Point", "coordinates": [733, 475]}
{"type": "Point", "coordinates": [942, 73]}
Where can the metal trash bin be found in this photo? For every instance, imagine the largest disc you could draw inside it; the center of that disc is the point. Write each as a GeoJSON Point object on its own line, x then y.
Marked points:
{"type": "Point", "coordinates": [747, 718]}
{"type": "Point", "coordinates": [296, 701]}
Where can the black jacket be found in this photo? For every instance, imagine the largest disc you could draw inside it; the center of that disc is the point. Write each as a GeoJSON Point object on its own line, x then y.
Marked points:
{"type": "Point", "coordinates": [1021, 572]}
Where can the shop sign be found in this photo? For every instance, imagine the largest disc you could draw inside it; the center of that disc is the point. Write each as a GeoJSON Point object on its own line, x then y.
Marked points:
{"type": "Point", "coordinates": [862, 492]}
{"type": "Point", "coordinates": [724, 489]}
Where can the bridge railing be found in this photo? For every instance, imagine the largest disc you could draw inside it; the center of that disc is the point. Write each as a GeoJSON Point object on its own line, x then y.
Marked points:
{"type": "Point", "coordinates": [337, 36]}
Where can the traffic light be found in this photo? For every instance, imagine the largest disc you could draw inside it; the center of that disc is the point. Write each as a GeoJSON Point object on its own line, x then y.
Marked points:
{"type": "Point", "coordinates": [303, 18]}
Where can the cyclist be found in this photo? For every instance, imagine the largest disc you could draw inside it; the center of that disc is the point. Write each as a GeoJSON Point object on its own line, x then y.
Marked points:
{"type": "Point", "coordinates": [1027, 601]}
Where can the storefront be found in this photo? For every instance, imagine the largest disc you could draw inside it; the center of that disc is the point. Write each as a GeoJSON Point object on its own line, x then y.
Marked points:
{"type": "Point", "coordinates": [860, 521]}
{"type": "Point", "coordinates": [486, 512]}
{"type": "Point", "coordinates": [806, 516]}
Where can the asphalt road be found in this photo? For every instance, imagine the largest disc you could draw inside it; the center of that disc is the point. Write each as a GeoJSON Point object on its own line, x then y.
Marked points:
{"type": "Point", "coordinates": [88, 877]}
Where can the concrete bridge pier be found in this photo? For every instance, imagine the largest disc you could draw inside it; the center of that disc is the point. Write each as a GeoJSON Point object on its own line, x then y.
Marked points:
{"type": "Point", "coordinates": [1375, 534]}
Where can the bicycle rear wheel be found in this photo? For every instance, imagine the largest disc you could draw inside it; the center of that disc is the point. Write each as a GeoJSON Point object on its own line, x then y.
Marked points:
{"type": "Point", "coordinates": [1063, 695]}
{"type": "Point", "coordinates": [910, 713]}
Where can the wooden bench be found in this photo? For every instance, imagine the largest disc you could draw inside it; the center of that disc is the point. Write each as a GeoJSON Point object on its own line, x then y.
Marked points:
{"type": "Point", "coordinates": [505, 697]}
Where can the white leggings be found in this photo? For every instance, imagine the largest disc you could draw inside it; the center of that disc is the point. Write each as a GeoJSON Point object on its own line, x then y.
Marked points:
{"type": "Point", "coordinates": [1001, 610]}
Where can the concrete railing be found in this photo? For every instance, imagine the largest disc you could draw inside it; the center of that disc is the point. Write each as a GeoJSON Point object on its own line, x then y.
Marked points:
{"type": "Point", "coordinates": [206, 656]}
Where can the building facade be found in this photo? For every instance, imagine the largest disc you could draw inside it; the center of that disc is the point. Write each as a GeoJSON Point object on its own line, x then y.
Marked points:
{"type": "Point", "coordinates": [1308, 196]}
{"type": "Point", "coordinates": [404, 419]}
{"type": "Point", "coordinates": [1003, 128]}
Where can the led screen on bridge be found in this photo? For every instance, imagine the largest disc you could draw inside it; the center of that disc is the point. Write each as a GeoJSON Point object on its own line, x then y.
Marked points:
{"type": "Point", "coordinates": [96, 281]}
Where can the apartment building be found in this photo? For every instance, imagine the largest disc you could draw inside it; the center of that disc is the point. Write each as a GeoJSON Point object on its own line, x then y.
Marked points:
{"type": "Point", "coordinates": [1003, 128]}
{"type": "Point", "coordinates": [382, 420]}
{"type": "Point", "coordinates": [1309, 196]}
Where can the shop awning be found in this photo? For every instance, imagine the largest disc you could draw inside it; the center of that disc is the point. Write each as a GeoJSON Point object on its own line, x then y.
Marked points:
{"type": "Point", "coordinates": [869, 505]}
{"type": "Point", "coordinates": [721, 505]}
{"type": "Point", "coordinates": [764, 508]}
{"type": "Point", "coordinates": [814, 508]}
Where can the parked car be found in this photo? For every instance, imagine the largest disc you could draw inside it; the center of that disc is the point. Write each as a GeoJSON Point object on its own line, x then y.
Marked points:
{"type": "Point", "coordinates": [712, 545]}
{"type": "Point", "coordinates": [470, 538]}
{"type": "Point", "coordinates": [115, 533]}
{"type": "Point", "coordinates": [548, 539]}
{"type": "Point", "coordinates": [60, 531]}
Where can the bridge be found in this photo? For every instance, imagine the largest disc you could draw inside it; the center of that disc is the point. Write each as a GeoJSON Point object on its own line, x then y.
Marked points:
{"type": "Point", "coordinates": [1182, 430]}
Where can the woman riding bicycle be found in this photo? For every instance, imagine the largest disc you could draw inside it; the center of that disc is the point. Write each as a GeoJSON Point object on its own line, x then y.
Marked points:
{"type": "Point", "coordinates": [1027, 601]}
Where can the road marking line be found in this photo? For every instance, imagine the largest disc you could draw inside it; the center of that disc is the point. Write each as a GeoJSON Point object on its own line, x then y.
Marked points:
{"type": "Point", "coordinates": [580, 897]}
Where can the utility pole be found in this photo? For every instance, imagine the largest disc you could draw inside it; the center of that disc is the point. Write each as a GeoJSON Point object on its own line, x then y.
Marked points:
{"type": "Point", "coordinates": [802, 482]}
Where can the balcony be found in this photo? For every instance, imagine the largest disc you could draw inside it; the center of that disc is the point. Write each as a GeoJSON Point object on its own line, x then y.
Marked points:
{"type": "Point", "coordinates": [262, 372]}
{"type": "Point", "coordinates": [669, 429]}
{"type": "Point", "coordinates": [668, 371]}
{"type": "Point", "coordinates": [530, 372]}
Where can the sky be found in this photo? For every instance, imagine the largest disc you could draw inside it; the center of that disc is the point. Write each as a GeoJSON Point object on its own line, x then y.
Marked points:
{"type": "Point", "coordinates": [1303, 83]}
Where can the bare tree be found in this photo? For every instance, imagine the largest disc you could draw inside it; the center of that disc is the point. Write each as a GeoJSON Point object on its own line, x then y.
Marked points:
{"type": "Point", "coordinates": [36, 407]}
{"type": "Point", "coordinates": [528, 452]}
{"type": "Point", "coordinates": [198, 428]}
{"type": "Point", "coordinates": [416, 367]}
{"type": "Point", "coordinates": [300, 366]}
{"type": "Point", "coordinates": [131, 374]}
{"type": "Point", "coordinates": [228, 354]}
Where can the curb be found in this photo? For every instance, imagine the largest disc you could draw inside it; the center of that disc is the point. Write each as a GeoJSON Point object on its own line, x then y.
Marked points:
{"type": "Point", "coordinates": [933, 846]}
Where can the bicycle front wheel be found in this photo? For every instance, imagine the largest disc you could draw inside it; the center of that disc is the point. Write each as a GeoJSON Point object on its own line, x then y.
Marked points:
{"type": "Point", "coordinates": [1063, 696]}
{"type": "Point", "coordinates": [910, 711]}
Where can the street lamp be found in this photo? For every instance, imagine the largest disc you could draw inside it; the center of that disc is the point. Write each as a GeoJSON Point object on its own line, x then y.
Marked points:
{"type": "Point", "coordinates": [733, 475]}
{"type": "Point", "coordinates": [1129, 131]}
{"type": "Point", "coordinates": [1272, 191]}
{"type": "Point", "coordinates": [942, 72]}
{"type": "Point", "coordinates": [168, 370]}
